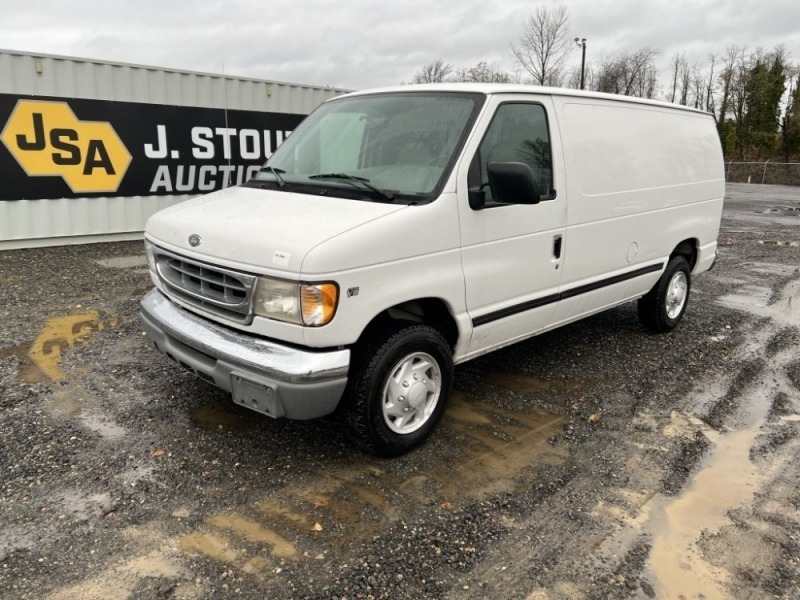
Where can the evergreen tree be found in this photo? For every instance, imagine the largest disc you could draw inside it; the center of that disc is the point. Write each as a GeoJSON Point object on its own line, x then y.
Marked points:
{"type": "Point", "coordinates": [764, 87]}
{"type": "Point", "coordinates": [791, 124]}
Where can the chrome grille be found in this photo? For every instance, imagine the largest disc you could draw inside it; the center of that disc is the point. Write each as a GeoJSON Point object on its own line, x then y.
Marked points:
{"type": "Point", "coordinates": [223, 292]}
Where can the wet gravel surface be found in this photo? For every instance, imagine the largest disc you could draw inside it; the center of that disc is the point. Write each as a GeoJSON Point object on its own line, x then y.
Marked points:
{"type": "Point", "coordinates": [559, 472]}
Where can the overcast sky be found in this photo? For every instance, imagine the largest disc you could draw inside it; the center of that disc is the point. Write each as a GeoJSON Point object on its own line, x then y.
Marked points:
{"type": "Point", "coordinates": [363, 43]}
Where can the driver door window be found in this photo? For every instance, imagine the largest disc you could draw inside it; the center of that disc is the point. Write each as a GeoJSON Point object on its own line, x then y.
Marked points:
{"type": "Point", "coordinates": [518, 133]}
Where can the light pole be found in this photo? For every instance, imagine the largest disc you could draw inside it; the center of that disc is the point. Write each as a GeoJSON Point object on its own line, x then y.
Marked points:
{"type": "Point", "coordinates": [582, 44]}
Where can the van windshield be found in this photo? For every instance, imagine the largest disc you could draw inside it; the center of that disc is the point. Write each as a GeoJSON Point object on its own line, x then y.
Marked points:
{"type": "Point", "coordinates": [383, 147]}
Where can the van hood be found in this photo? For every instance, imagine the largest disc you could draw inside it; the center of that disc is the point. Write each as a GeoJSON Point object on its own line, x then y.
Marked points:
{"type": "Point", "coordinates": [261, 231]}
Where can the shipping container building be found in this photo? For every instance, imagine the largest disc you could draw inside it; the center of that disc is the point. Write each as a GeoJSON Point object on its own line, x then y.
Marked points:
{"type": "Point", "coordinates": [90, 149]}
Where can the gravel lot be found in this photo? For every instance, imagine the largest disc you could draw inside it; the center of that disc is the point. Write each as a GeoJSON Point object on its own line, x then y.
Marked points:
{"type": "Point", "coordinates": [596, 461]}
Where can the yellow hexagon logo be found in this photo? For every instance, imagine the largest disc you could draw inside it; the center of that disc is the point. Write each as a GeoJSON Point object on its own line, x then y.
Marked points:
{"type": "Point", "coordinates": [47, 139]}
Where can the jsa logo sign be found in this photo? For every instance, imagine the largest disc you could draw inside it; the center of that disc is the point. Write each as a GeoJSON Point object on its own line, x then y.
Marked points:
{"type": "Point", "coordinates": [47, 139]}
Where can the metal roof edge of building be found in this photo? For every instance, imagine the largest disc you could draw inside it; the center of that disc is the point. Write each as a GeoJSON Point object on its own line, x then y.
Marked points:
{"type": "Point", "coordinates": [114, 63]}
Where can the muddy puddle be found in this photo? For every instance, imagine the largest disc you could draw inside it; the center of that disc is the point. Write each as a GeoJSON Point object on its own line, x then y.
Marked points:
{"type": "Point", "coordinates": [497, 449]}
{"type": "Point", "coordinates": [337, 511]}
{"type": "Point", "coordinates": [780, 243]}
{"type": "Point", "coordinates": [120, 580]}
{"type": "Point", "coordinates": [783, 210]}
{"type": "Point", "coordinates": [727, 479]}
{"type": "Point", "coordinates": [27, 371]}
{"type": "Point", "coordinates": [729, 476]}
{"type": "Point", "coordinates": [40, 360]}
{"type": "Point", "coordinates": [523, 384]}
{"type": "Point", "coordinates": [754, 299]}
{"type": "Point", "coordinates": [222, 416]}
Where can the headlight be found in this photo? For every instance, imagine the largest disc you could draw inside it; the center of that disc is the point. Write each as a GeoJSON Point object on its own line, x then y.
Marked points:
{"type": "Point", "coordinates": [301, 303]}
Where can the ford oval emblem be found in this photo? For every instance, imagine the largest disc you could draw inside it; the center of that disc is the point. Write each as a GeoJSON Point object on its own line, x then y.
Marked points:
{"type": "Point", "coordinates": [194, 240]}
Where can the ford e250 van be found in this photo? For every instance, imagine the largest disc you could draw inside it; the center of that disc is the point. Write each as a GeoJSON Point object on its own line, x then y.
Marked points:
{"type": "Point", "coordinates": [402, 231]}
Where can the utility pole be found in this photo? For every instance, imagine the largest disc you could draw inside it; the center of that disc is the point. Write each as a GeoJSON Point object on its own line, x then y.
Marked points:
{"type": "Point", "coordinates": [582, 45]}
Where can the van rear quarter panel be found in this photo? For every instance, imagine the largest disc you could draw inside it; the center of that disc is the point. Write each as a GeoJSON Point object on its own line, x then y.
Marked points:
{"type": "Point", "coordinates": [640, 179]}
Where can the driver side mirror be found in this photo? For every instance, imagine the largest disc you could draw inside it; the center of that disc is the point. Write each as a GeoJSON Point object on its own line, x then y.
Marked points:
{"type": "Point", "coordinates": [512, 183]}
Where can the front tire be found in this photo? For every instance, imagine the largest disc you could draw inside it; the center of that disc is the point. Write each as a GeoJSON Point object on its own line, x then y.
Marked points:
{"type": "Point", "coordinates": [662, 308]}
{"type": "Point", "coordinates": [398, 389]}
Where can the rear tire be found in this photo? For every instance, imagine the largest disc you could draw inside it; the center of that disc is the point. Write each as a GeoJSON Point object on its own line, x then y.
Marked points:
{"type": "Point", "coordinates": [398, 388]}
{"type": "Point", "coordinates": [662, 308]}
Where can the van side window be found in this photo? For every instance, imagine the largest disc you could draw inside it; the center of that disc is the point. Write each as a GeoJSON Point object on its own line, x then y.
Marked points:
{"type": "Point", "coordinates": [518, 133]}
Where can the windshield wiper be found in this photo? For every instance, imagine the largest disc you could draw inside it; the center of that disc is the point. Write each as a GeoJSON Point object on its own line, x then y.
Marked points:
{"type": "Point", "coordinates": [363, 181]}
{"type": "Point", "coordinates": [276, 173]}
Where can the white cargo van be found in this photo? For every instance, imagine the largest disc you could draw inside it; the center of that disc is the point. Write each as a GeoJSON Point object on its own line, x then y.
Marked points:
{"type": "Point", "coordinates": [400, 231]}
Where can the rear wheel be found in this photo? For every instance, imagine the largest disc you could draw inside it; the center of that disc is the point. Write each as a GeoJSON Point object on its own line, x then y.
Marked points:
{"type": "Point", "coordinates": [662, 308]}
{"type": "Point", "coordinates": [398, 388]}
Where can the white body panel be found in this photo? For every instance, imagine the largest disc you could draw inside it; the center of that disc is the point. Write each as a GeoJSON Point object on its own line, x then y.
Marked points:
{"type": "Point", "coordinates": [426, 237]}
{"type": "Point", "coordinates": [507, 251]}
{"type": "Point", "coordinates": [640, 183]}
{"type": "Point", "coordinates": [274, 230]}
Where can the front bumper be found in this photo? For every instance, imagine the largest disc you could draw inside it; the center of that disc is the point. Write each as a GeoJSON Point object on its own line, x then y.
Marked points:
{"type": "Point", "coordinates": [271, 378]}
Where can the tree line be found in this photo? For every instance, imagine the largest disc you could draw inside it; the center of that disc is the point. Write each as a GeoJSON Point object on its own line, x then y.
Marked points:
{"type": "Point", "coordinates": [754, 95]}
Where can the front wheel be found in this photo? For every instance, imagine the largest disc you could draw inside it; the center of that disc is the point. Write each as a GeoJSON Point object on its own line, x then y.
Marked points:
{"type": "Point", "coordinates": [662, 308]}
{"type": "Point", "coordinates": [398, 389]}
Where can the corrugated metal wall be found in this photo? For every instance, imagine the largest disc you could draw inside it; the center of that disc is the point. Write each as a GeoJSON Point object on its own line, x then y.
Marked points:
{"type": "Point", "coordinates": [41, 75]}
{"type": "Point", "coordinates": [45, 222]}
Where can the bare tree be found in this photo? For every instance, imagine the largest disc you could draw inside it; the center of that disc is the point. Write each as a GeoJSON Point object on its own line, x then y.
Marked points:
{"type": "Point", "coordinates": [482, 72]}
{"type": "Point", "coordinates": [519, 76]}
{"type": "Point", "coordinates": [710, 89]}
{"type": "Point", "coordinates": [678, 65]}
{"type": "Point", "coordinates": [686, 83]}
{"type": "Point", "coordinates": [433, 72]}
{"type": "Point", "coordinates": [790, 126]}
{"type": "Point", "coordinates": [544, 44]}
{"type": "Point", "coordinates": [646, 81]}
{"type": "Point", "coordinates": [629, 74]}
{"type": "Point", "coordinates": [740, 83]}
{"type": "Point", "coordinates": [574, 78]}
{"type": "Point", "coordinates": [698, 87]}
{"type": "Point", "coordinates": [726, 79]}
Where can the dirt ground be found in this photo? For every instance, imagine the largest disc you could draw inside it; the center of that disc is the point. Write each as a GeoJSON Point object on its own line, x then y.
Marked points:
{"type": "Point", "coordinates": [595, 461]}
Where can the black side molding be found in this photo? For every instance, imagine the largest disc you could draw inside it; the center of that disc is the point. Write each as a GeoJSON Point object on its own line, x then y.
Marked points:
{"type": "Point", "coordinates": [571, 293]}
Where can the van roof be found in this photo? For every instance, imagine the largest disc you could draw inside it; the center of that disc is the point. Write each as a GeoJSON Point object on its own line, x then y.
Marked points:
{"type": "Point", "coordinates": [513, 88]}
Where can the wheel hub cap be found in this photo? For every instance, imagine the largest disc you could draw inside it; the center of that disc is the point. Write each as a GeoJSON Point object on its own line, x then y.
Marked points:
{"type": "Point", "coordinates": [417, 395]}
{"type": "Point", "coordinates": [411, 393]}
{"type": "Point", "coordinates": [676, 294]}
